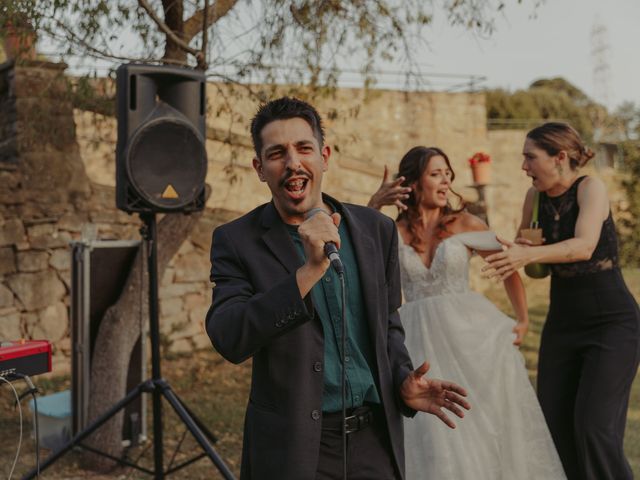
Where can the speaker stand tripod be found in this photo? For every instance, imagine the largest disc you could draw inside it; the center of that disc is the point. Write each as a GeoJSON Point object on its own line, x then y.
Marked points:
{"type": "Point", "coordinates": [157, 386]}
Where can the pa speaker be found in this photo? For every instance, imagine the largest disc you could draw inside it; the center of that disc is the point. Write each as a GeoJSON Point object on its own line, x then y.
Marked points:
{"type": "Point", "coordinates": [161, 160]}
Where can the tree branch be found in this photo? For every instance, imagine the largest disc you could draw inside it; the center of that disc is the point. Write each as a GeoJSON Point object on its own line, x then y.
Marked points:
{"type": "Point", "coordinates": [166, 30]}
{"type": "Point", "coordinates": [193, 25]}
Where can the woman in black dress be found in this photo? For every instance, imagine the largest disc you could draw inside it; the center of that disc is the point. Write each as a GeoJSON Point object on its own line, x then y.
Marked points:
{"type": "Point", "coordinates": [590, 344]}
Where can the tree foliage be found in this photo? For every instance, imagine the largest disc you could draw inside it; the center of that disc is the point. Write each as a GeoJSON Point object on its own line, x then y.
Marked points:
{"type": "Point", "coordinates": [546, 100]}
{"type": "Point", "coordinates": [629, 225]}
{"type": "Point", "coordinates": [307, 40]}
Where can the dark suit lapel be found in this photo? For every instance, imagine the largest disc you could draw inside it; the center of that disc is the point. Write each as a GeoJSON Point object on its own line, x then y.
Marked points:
{"type": "Point", "coordinates": [278, 239]}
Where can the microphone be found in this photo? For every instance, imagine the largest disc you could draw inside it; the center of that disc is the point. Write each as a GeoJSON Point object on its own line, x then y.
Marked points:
{"type": "Point", "coordinates": [330, 249]}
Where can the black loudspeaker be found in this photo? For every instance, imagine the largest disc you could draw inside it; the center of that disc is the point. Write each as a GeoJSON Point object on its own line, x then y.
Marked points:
{"type": "Point", "coordinates": [161, 160]}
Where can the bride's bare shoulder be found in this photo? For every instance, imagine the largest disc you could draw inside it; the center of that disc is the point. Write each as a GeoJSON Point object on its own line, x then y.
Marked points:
{"type": "Point", "coordinates": [463, 222]}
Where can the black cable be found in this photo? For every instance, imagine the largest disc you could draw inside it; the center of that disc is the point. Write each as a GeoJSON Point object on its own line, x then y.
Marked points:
{"type": "Point", "coordinates": [32, 391]}
{"type": "Point", "coordinates": [344, 376]}
{"type": "Point", "coordinates": [35, 410]}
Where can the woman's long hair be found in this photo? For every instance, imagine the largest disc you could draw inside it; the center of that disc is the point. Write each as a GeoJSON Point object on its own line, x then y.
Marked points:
{"type": "Point", "coordinates": [412, 167]}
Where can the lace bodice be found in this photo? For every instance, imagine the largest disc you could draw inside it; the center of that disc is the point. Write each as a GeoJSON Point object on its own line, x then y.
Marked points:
{"type": "Point", "coordinates": [558, 217]}
{"type": "Point", "coordinates": [449, 270]}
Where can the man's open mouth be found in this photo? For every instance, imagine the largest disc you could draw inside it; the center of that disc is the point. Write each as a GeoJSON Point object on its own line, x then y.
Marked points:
{"type": "Point", "coordinates": [296, 186]}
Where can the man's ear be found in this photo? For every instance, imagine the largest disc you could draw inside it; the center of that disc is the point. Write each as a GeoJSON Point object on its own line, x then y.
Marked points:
{"type": "Point", "coordinates": [257, 165]}
{"type": "Point", "coordinates": [326, 153]}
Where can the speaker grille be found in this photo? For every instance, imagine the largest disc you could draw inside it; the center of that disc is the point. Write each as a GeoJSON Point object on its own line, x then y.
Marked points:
{"type": "Point", "coordinates": [167, 163]}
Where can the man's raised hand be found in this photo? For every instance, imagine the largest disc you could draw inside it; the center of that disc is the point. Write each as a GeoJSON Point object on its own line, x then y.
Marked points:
{"type": "Point", "coordinates": [431, 395]}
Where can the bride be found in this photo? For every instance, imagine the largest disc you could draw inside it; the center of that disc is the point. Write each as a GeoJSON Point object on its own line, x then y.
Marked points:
{"type": "Point", "coordinates": [466, 338]}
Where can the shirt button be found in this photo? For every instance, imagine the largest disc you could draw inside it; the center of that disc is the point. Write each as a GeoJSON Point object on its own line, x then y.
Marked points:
{"type": "Point", "coordinates": [356, 398]}
{"type": "Point", "coordinates": [317, 366]}
{"type": "Point", "coordinates": [327, 279]}
{"type": "Point", "coordinates": [315, 414]}
{"type": "Point", "coordinates": [347, 358]}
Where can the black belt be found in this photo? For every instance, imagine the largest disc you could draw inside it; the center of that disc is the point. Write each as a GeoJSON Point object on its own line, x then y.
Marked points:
{"type": "Point", "coordinates": [356, 419]}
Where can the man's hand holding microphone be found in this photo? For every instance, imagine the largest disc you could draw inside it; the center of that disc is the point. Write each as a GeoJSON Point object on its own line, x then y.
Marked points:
{"type": "Point", "coordinates": [319, 228]}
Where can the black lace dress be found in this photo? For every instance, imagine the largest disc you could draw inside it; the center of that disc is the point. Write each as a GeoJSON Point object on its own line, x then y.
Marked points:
{"type": "Point", "coordinates": [589, 349]}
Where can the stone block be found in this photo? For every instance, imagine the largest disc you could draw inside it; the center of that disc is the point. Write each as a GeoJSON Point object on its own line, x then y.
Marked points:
{"type": "Point", "coordinates": [61, 259]}
{"type": "Point", "coordinates": [198, 315]}
{"type": "Point", "coordinates": [170, 306]}
{"type": "Point", "coordinates": [7, 261]}
{"type": "Point", "coordinates": [192, 268]}
{"type": "Point", "coordinates": [197, 300]}
{"type": "Point", "coordinates": [57, 239]}
{"type": "Point", "coordinates": [41, 229]}
{"type": "Point", "coordinates": [53, 322]}
{"type": "Point", "coordinates": [180, 289]}
{"type": "Point", "coordinates": [201, 341]}
{"type": "Point", "coordinates": [72, 221]}
{"type": "Point", "coordinates": [6, 298]}
{"type": "Point", "coordinates": [181, 345]}
{"type": "Point", "coordinates": [32, 261]}
{"type": "Point", "coordinates": [11, 232]}
{"type": "Point", "coordinates": [10, 327]}
{"type": "Point", "coordinates": [37, 290]}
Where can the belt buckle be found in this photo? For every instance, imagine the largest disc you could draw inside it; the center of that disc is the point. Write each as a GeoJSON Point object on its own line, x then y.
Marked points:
{"type": "Point", "coordinates": [358, 422]}
{"type": "Point", "coordinates": [355, 426]}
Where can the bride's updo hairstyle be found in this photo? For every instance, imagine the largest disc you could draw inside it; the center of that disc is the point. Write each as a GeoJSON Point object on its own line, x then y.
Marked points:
{"type": "Point", "coordinates": [412, 167]}
{"type": "Point", "coordinates": [552, 137]}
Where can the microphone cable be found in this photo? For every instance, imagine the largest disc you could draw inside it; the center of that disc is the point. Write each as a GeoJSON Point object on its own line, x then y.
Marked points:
{"type": "Point", "coordinates": [343, 289]}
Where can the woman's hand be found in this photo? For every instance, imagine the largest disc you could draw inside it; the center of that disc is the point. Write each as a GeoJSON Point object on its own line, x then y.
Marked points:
{"type": "Point", "coordinates": [506, 263]}
{"type": "Point", "coordinates": [390, 192]}
{"type": "Point", "coordinates": [520, 329]}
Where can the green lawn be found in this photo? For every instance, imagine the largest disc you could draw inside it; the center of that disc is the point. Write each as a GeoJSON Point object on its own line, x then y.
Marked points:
{"type": "Point", "coordinates": [217, 390]}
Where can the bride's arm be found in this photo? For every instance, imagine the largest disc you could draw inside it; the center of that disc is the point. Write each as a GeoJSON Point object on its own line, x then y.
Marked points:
{"type": "Point", "coordinates": [518, 298]}
{"type": "Point", "coordinates": [480, 239]}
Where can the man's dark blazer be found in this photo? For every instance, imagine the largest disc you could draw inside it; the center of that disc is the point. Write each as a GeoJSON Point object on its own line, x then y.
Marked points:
{"type": "Point", "coordinates": [257, 312]}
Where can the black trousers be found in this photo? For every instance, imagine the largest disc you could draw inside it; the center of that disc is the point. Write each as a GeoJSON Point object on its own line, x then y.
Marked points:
{"type": "Point", "coordinates": [589, 355]}
{"type": "Point", "coordinates": [369, 454]}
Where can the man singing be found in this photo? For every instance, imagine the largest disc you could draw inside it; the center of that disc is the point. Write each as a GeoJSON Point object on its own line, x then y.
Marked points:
{"type": "Point", "coordinates": [276, 299]}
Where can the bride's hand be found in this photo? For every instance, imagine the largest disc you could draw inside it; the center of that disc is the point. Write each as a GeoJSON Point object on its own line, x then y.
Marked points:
{"type": "Point", "coordinates": [431, 395]}
{"type": "Point", "coordinates": [390, 192]}
{"type": "Point", "coordinates": [520, 329]}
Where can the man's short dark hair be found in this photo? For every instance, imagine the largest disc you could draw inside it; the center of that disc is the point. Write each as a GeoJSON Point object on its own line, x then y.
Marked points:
{"type": "Point", "coordinates": [283, 109]}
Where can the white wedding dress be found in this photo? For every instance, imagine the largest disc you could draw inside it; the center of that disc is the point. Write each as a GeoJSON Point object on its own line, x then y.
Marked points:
{"type": "Point", "coordinates": [469, 341]}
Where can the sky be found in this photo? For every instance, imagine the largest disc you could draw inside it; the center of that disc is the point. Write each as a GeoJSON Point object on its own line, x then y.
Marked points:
{"type": "Point", "coordinates": [555, 41]}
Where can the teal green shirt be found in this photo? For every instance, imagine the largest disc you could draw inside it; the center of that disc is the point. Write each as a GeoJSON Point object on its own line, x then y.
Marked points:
{"type": "Point", "coordinates": [359, 358]}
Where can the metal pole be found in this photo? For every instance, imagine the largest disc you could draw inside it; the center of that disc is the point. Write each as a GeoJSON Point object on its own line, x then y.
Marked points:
{"type": "Point", "coordinates": [154, 330]}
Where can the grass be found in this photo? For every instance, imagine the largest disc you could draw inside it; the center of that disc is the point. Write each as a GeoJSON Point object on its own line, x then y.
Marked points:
{"type": "Point", "coordinates": [537, 297]}
{"type": "Point", "coordinates": [216, 391]}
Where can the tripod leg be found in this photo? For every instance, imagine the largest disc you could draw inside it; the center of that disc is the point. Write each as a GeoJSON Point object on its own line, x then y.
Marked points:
{"type": "Point", "coordinates": [195, 431]}
{"type": "Point", "coordinates": [131, 396]}
{"type": "Point", "coordinates": [212, 438]}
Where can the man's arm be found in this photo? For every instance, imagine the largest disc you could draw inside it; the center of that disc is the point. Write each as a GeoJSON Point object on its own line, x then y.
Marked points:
{"type": "Point", "coordinates": [241, 321]}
